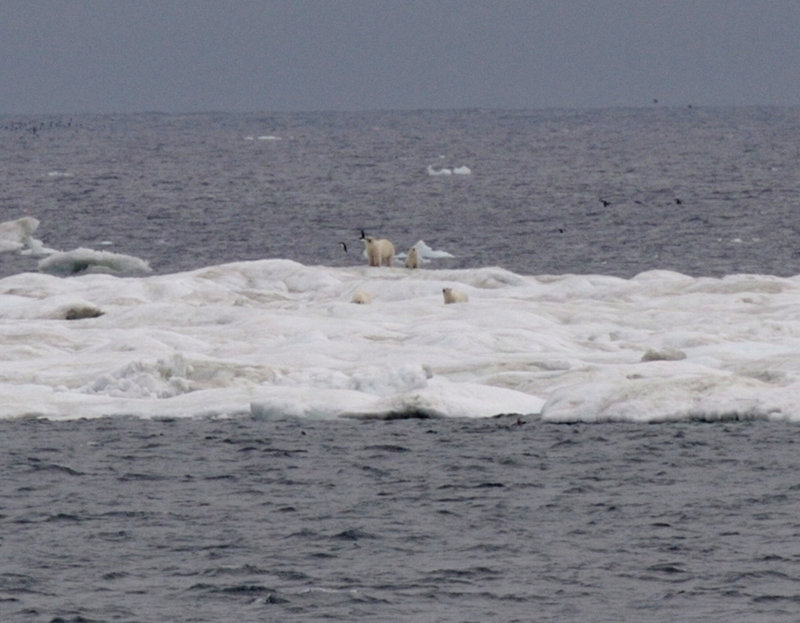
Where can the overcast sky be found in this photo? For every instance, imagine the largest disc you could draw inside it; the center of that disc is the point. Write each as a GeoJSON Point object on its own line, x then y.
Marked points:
{"type": "Point", "coordinates": [274, 55]}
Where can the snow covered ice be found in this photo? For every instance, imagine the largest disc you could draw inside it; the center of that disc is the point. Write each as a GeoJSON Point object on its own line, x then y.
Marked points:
{"type": "Point", "coordinates": [276, 338]}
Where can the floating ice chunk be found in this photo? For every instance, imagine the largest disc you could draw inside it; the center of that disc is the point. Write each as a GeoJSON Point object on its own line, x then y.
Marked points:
{"type": "Point", "coordinates": [439, 172]}
{"type": "Point", "coordinates": [427, 253]}
{"type": "Point", "coordinates": [84, 260]}
{"type": "Point", "coordinates": [462, 170]}
{"type": "Point", "coordinates": [14, 234]}
{"type": "Point", "coordinates": [36, 248]}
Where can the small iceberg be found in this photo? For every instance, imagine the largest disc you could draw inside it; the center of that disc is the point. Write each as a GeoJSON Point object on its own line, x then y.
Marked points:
{"type": "Point", "coordinates": [17, 235]}
{"type": "Point", "coordinates": [425, 252]}
{"type": "Point", "coordinates": [444, 171]}
{"type": "Point", "coordinates": [79, 261]}
{"type": "Point", "coordinates": [438, 172]}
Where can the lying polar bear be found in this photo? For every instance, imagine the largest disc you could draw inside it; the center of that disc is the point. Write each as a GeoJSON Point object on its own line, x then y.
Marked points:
{"type": "Point", "coordinates": [362, 297]}
{"type": "Point", "coordinates": [454, 296]}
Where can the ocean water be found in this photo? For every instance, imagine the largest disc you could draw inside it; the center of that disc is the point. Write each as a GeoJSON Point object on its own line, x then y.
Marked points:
{"type": "Point", "coordinates": [197, 424]}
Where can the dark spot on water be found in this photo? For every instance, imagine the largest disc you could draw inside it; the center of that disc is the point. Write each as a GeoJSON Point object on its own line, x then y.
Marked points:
{"type": "Point", "coordinates": [64, 517]}
{"type": "Point", "coordinates": [353, 534]}
{"type": "Point", "coordinates": [246, 589]}
{"type": "Point", "coordinates": [667, 568]}
{"type": "Point", "coordinates": [387, 448]}
{"type": "Point", "coordinates": [114, 575]}
{"type": "Point", "coordinates": [141, 477]}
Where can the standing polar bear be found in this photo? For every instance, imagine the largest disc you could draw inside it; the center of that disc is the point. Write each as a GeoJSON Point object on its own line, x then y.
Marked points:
{"type": "Point", "coordinates": [380, 252]}
{"type": "Point", "coordinates": [454, 296]}
{"type": "Point", "coordinates": [412, 259]}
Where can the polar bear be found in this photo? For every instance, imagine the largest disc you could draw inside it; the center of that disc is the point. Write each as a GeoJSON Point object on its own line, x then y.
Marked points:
{"type": "Point", "coordinates": [380, 252]}
{"type": "Point", "coordinates": [454, 296]}
{"type": "Point", "coordinates": [412, 259]}
{"type": "Point", "coordinates": [362, 297]}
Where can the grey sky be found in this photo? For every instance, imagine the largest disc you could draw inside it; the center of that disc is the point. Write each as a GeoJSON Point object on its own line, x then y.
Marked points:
{"type": "Point", "coordinates": [199, 55]}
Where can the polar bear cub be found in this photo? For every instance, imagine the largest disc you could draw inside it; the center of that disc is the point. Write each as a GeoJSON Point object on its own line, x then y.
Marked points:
{"type": "Point", "coordinates": [454, 296]}
{"type": "Point", "coordinates": [412, 259]}
{"type": "Point", "coordinates": [380, 252]}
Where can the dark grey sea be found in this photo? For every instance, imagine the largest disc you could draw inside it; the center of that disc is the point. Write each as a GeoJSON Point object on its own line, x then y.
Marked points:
{"type": "Point", "coordinates": [239, 519]}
